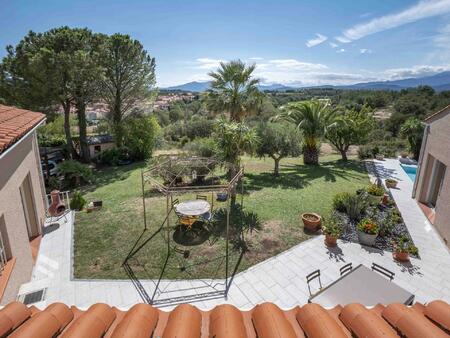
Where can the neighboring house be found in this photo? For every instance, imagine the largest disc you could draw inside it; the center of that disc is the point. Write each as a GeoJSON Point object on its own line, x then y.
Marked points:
{"type": "Point", "coordinates": [22, 197]}
{"type": "Point", "coordinates": [99, 143]}
{"type": "Point", "coordinates": [432, 186]}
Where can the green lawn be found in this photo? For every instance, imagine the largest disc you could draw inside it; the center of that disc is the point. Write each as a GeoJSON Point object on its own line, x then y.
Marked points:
{"type": "Point", "coordinates": [103, 238]}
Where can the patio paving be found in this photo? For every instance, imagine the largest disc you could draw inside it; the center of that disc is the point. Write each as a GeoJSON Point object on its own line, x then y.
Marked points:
{"type": "Point", "coordinates": [280, 279]}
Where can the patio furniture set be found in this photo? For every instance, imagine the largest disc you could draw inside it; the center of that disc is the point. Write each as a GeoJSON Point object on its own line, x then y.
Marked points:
{"type": "Point", "coordinates": [359, 285]}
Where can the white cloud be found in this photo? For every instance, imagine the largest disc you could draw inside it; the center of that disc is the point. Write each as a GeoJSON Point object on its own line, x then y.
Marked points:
{"type": "Point", "coordinates": [207, 63]}
{"type": "Point", "coordinates": [256, 58]}
{"type": "Point", "coordinates": [292, 64]}
{"type": "Point", "coordinates": [442, 40]}
{"type": "Point", "coordinates": [365, 51]}
{"type": "Point", "coordinates": [333, 45]}
{"type": "Point", "coordinates": [316, 41]}
{"type": "Point", "coordinates": [414, 71]}
{"type": "Point", "coordinates": [421, 10]}
{"type": "Point", "coordinates": [342, 50]}
{"type": "Point", "coordinates": [342, 39]}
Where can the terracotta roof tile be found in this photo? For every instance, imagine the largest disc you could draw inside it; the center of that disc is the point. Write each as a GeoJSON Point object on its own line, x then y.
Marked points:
{"type": "Point", "coordinates": [264, 320]}
{"type": "Point", "coordinates": [15, 123]}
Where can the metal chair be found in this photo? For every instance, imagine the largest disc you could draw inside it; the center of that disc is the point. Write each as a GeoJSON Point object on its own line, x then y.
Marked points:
{"type": "Point", "coordinates": [380, 269]}
{"type": "Point", "coordinates": [202, 197]}
{"type": "Point", "coordinates": [313, 275]}
{"type": "Point", "coordinates": [346, 268]}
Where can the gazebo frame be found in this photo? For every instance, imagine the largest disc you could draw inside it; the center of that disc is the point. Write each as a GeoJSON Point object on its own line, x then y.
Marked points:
{"type": "Point", "coordinates": [170, 189]}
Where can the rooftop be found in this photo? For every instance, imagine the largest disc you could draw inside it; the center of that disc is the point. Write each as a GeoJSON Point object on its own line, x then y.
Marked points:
{"type": "Point", "coordinates": [15, 123]}
{"type": "Point", "coordinates": [264, 321]}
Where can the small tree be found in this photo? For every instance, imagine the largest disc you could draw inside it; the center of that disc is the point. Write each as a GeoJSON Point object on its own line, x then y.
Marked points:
{"type": "Point", "coordinates": [278, 141]}
{"type": "Point", "coordinates": [412, 130]}
{"type": "Point", "coordinates": [312, 118]}
{"type": "Point", "coordinates": [140, 136]}
{"type": "Point", "coordinates": [350, 128]}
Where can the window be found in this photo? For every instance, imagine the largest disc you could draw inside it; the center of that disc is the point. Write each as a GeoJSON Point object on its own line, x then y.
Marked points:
{"type": "Point", "coordinates": [97, 149]}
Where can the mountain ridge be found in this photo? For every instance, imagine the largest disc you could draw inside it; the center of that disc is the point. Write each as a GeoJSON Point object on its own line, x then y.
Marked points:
{"type": "Point", "coordinates": [439, 82]}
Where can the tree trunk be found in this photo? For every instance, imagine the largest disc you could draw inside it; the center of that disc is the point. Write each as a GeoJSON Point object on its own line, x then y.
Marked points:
{"type": "Point", "coordinates": [276, 170]}
{"type": "Point", "coordinates": [71, 153]}
{"type": "Point", "coordinates": [311, 155]}
{"type": "Point", "coordinates": [117, 122]}
{"type": "Point", "coordinates": [84, 148]}
{"type": "Point", "coordinates": [343, 154]}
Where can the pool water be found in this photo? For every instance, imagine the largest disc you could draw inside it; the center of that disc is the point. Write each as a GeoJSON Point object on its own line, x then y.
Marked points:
{"type": "Point", "coordinates": [410, 170]}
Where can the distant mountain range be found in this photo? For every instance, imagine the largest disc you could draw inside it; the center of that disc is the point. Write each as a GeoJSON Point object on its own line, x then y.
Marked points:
{"type": "Point", "coordinates": [439, 82]}
{"type": "Point", "coordinates": [196, 86]}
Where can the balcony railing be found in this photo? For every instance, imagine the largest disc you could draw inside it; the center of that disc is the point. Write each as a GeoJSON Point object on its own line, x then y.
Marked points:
{"type": "Point", "coordinates": [64, 197]}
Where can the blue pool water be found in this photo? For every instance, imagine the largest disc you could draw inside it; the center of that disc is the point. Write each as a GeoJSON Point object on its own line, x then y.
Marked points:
{"type": "Point", "coordinates": [410, 170]}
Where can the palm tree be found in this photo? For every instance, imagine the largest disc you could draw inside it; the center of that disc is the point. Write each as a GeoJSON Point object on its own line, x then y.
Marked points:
{"type": "Point", "coordinates": [234, 91]}
{"type": "Point", "coordinates": [312, 118]}
{"type": "Point", "coordinates": [412, 130]}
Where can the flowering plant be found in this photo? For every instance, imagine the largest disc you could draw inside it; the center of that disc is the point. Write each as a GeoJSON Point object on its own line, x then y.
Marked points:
{"type": "Point", "coordinates": [368, 226]}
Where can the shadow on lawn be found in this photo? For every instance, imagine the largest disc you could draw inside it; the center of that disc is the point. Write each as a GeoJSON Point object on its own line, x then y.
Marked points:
{"type": "Point", "coordinates": [294, 176]}
{"type": "Point", "coordinates": [108, 175]}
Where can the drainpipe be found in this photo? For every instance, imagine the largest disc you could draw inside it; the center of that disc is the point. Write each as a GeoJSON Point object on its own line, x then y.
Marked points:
{"type": "Point", "coordinates": [426, 131]}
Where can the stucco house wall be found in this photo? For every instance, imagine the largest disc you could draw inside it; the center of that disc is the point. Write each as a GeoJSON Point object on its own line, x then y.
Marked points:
{"type": "Point", "coordinates": [436, 146]}
{"type": "Point", "coordinates": [22, 159]}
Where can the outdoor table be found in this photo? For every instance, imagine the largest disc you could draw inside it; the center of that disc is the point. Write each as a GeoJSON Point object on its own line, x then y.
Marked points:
{"type": "Point", "coordinates": [193, 208]}
{"type": "Point", "coordinates": [364, 286]}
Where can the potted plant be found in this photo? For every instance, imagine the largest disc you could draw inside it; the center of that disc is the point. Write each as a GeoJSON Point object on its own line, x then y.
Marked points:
{"type": "Point", "coordinates": [404, 154]}
{"type": "Point", "coordinates": [332, 230]}
{"type": "Point", "coordinates": [367, 231]}
{"type": "Point", "coordinates": [311, 221]}
{"type": "Point", "coordinates": [390, 183]}
{"type": "Point", "coordinates": [403, 248]}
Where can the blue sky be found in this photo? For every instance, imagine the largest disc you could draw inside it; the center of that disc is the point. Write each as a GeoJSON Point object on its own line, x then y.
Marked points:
{"type": "Point", "coordinates": [292, 42]}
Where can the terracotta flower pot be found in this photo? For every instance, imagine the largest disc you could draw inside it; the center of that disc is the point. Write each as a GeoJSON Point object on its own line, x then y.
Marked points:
{"type": "Point", "coordinates": [330, 240]}
{"type": "Point", "coordinates": [311, 221]}
{"type": "Point", "coordinates": [391, 183]}
{"type": "Point", "coordinates": [401, 256]}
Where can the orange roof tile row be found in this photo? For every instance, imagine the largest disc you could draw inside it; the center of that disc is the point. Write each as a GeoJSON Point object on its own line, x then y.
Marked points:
{"type": "Point", "coordinates": [15, 123]}
{"type": "Point", "coordinates": [225, 321]}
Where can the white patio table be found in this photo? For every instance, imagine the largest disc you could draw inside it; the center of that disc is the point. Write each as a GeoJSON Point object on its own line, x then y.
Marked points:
{"type": "Point", "coordinates": [193, 208]}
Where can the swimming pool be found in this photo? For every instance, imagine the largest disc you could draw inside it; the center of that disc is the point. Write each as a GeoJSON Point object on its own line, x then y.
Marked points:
{"type": "Point", "coordinates": [410, 170]}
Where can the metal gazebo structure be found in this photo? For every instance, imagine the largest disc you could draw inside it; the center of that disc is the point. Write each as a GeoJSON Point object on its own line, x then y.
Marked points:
{"type": "Point", "coordinates": [174, 177]}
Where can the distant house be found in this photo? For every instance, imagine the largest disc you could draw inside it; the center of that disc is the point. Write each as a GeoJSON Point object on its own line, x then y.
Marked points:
{"type": "Point", "coordinates": [99, 143]}
{"type": "Point", "coordinates": [432, 186]}
{"type": "Point", "coordinates": [22, 197]}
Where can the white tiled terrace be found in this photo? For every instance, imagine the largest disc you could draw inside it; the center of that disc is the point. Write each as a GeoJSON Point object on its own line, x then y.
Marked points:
{"type": "Point", "coordinates": [280, 279]}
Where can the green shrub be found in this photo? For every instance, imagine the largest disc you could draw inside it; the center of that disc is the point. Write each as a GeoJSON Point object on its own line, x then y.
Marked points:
{"type": "Point", "coordinates": [77, 201]}
{"type": "Point", "coordinates": [113, 156]}
{"type": "Point", "coordinates": [403, 244]}
{"type": "Point", "coordinates": [368, 226]}
{"type": "Point", "coordinates": [375, 190]}
{"type": "Point", "coordinates": [75, 172]}
{"type": "Point", "coordinates": [332, 227]}
{"type": "Point", "coordinates": [141, 134]}
{"type": "Point", "coordinates": [365, 152]}
{"type": "Point", "coordinates": [355, 205]}
{"type": "Point", "coordinates": [203, 147]}
{"type": "Point", "coordinates": [338, 201]}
